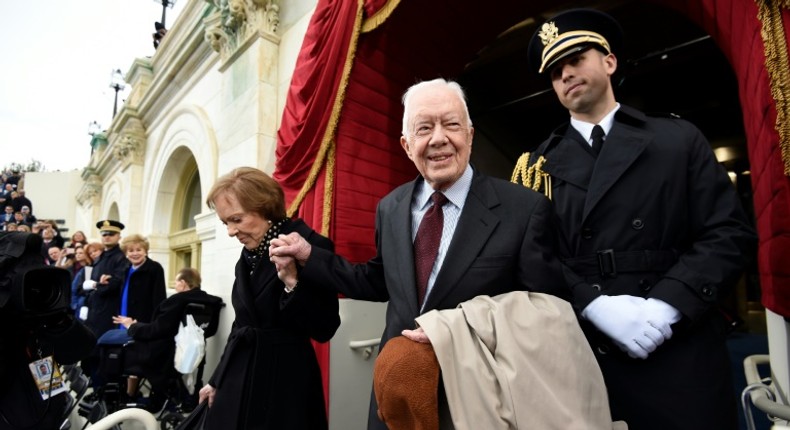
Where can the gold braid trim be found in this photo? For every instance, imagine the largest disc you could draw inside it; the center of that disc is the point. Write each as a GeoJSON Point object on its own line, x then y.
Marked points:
{"type": "Point", "coordinates": [380, 16]}
{"type": "Point", "coordinates": [532, 176]}
{"type": "Point", "coordinates": [776, 62]}
{"type": "Point", "coordinates": [326, 153]}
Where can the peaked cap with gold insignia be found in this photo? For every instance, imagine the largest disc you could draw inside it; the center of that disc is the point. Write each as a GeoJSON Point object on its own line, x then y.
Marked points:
{"type": "Point", "coordinates": [570, 32]}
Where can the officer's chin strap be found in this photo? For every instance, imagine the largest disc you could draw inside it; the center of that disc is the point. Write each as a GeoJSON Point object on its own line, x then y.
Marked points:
{"type": "Point", "coordinates": [532, 176]}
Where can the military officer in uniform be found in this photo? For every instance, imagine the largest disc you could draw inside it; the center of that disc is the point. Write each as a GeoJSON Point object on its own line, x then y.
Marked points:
{"type": "Point", "coordinates": [652, 234]}
{"type": "Point", "coordinates": [103, 289]}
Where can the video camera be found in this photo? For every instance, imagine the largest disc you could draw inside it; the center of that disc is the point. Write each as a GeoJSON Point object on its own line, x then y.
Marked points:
{"type": "Point", "coordinates": [29, 290]}
{"type": "Point", "coordinates": [37, 322]}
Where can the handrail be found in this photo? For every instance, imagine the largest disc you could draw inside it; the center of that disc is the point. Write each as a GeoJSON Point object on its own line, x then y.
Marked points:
{"type": "Point", "coordinates": [117, 417]}
{"type": "Point", "coordinates": [366, 345]}
{"type": "Point", "coordinates": [760, 394]}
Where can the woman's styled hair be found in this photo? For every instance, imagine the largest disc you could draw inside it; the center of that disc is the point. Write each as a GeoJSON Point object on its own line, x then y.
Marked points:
{"type": "Point", "coordinates": [190, 276]}
{"type": "Point", "coordinates": [255, 190]}
{"type": "Point", "coordinates": [134, 239]}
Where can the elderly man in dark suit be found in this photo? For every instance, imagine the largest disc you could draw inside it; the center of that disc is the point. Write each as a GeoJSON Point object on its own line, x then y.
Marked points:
{"type": "Point", "coordinates": [494, 237]}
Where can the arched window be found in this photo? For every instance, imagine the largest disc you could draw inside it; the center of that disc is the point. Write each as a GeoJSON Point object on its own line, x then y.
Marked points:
{"type": "Point", "coordinates": [184, 242]}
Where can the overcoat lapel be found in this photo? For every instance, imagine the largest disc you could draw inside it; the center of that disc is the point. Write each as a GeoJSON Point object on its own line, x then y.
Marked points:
{"type": "Point", "coordinates": [403, 248]}
{"type": "Point", "coordinates": [623, 146]}
{"type": "Point", "coordinates": [568, 161]}
{"type": "Point", "coordinates": [474, 228]}
{"type": "Point", "coordinates": [245, 309]}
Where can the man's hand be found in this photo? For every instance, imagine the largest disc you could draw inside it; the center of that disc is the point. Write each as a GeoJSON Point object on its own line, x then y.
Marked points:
{"type": "Point", "coordinates": [622, 318]}
{"type": "Point", "coordinates": [661, 315]}
{"type": "Point", "coordinates": [416, 335]}
{"type": "Point", "coordinates": [89, 285]}
{"type": "Point", "coordinates": [290, 245]}
{"type": "Point", "coordinates": [123, 320]}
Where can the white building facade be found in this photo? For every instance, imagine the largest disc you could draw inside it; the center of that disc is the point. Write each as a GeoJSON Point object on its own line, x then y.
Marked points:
{"type": "Point", "coordinates": [208, 101]}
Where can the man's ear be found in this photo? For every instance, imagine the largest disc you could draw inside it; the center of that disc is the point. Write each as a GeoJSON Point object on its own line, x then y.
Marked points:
{"type": "Point", "coordinates": [610, 61]}
{"type": "Point", "coordinates": [404, 143]}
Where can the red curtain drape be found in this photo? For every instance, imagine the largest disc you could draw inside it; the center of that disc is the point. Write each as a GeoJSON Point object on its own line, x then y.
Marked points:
{"type": "Point", "coordinates": [735, 26]}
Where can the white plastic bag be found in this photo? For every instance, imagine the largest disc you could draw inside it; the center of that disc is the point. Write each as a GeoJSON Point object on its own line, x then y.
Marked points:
{"type": "Point", "coordinates": [190, 346]}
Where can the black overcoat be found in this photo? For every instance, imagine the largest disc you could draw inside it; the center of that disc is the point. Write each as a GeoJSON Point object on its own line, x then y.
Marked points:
{"type": "Point", "coordinates": [154, 345]}
{"type": "Point", "coordinates": [268, 377]}
{"type": "Point", "coordinates": [104, 301]}
{"type": "Point", "coordinates": [146, 290]}
{"type": "Point", "coordinates": [654, 215]}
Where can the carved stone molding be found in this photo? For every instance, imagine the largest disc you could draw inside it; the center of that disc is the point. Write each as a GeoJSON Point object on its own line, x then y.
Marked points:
{"type": "Point", "coordinates": [233, 22]}
{"type": "Point", "coordinates": [91, 189]}
{"type": "Point", "coordinates": [130, 147]}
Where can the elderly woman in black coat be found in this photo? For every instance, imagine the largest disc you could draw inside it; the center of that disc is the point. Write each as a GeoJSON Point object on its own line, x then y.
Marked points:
{"type": "Point", "coordinates": [268, 377]}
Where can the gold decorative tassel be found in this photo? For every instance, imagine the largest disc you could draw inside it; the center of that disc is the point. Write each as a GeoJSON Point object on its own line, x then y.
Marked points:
{"type": "Point", "coordinates": [380, 16]}
{"type": "Point", "coordinates": [532, 176]}
{"type": "Point", "coordinates": [776, 62]}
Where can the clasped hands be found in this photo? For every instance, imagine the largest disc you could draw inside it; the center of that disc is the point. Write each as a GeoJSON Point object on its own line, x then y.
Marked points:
{"type": "Point", "coordinates": [285, 251]}
{"type": "Point", "coordinates": [637, 325]}
{"type": "Point", "coordinates": [91, 285]}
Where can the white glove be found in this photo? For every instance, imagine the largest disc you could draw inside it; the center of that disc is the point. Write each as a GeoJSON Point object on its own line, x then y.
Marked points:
{"type": "Point", "coordinates": [661, 315]}
{"type": "Point", "coordinates": [623, 320]}
{"type": "Point", "coordinates": [89, 285]}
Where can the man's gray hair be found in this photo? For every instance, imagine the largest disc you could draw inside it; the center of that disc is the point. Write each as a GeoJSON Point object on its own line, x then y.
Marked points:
{"type": "Point", "coordinates": [438, 82]}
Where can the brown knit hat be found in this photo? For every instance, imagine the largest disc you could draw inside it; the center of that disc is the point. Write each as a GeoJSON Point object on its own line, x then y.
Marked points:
{"type": "Point", "coordinates": [406, 382]}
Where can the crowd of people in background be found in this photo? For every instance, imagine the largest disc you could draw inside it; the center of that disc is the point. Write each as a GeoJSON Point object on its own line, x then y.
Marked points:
{"type": "Point", "coordinates": [17, 208]}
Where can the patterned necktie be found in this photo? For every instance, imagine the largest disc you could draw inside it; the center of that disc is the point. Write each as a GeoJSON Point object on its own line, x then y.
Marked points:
{"type": "Point", "coordinates": [426, 244]}
{"type": "Point", "coordinates": [597, 139]}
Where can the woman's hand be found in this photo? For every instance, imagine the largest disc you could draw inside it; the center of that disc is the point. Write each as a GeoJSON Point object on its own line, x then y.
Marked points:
{"type": "Point", "coordinates": [286, 271]}
{"type": "Point", "coordinates": [207, 392]}
{"type": "Point", "coordinates": [123, 320]}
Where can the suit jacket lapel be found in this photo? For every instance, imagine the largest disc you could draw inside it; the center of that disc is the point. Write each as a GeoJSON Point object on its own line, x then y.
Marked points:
{"type": "Point", "coordinates": [403, 246]}
{"type": "Point", "coordinates": [474, 228]}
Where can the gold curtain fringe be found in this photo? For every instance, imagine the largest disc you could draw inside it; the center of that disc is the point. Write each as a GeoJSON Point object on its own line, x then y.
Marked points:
{"type": "Point", "coordinates": [776, 62]}
{"type": "Point", "coordinates": [326, 153]}
{"type": "Point", "coordinates": [532, 176]}
{"type": "Point", "coordinates": [381, 15]}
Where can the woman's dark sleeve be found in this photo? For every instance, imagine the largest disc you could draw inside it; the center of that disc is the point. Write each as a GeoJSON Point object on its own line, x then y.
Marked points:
{"type": "Point", "coordinates": [310, 308]}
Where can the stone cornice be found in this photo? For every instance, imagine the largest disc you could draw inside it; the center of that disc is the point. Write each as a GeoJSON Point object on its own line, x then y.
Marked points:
{"type": "Point", "coordinates": [232, 24]}
{"type": "Point", "coordinates": [91, 187]}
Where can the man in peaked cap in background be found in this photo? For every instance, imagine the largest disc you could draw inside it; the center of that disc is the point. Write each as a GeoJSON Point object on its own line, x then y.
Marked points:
{"type": "Point", "coordinates": [104, 286]}
{"type": "Point", "coordinates": [652, 233]}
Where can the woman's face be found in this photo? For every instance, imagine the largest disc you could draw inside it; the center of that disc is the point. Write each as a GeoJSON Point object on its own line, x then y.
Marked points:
{"type": "Point", "coordinates": [248, 228]}
{"type": "Point", "coordinates": [79, 255]}
{"type": "Point", "coordinates": [95, 253]}
{"type": "Point", "coordinates": [135, 253]}
{"type": "Point", "coordinates": [78, 237]}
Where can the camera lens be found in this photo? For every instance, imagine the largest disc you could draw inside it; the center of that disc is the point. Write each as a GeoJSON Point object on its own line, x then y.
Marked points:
{"type": "Point", "coordinates": [41, 298]}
